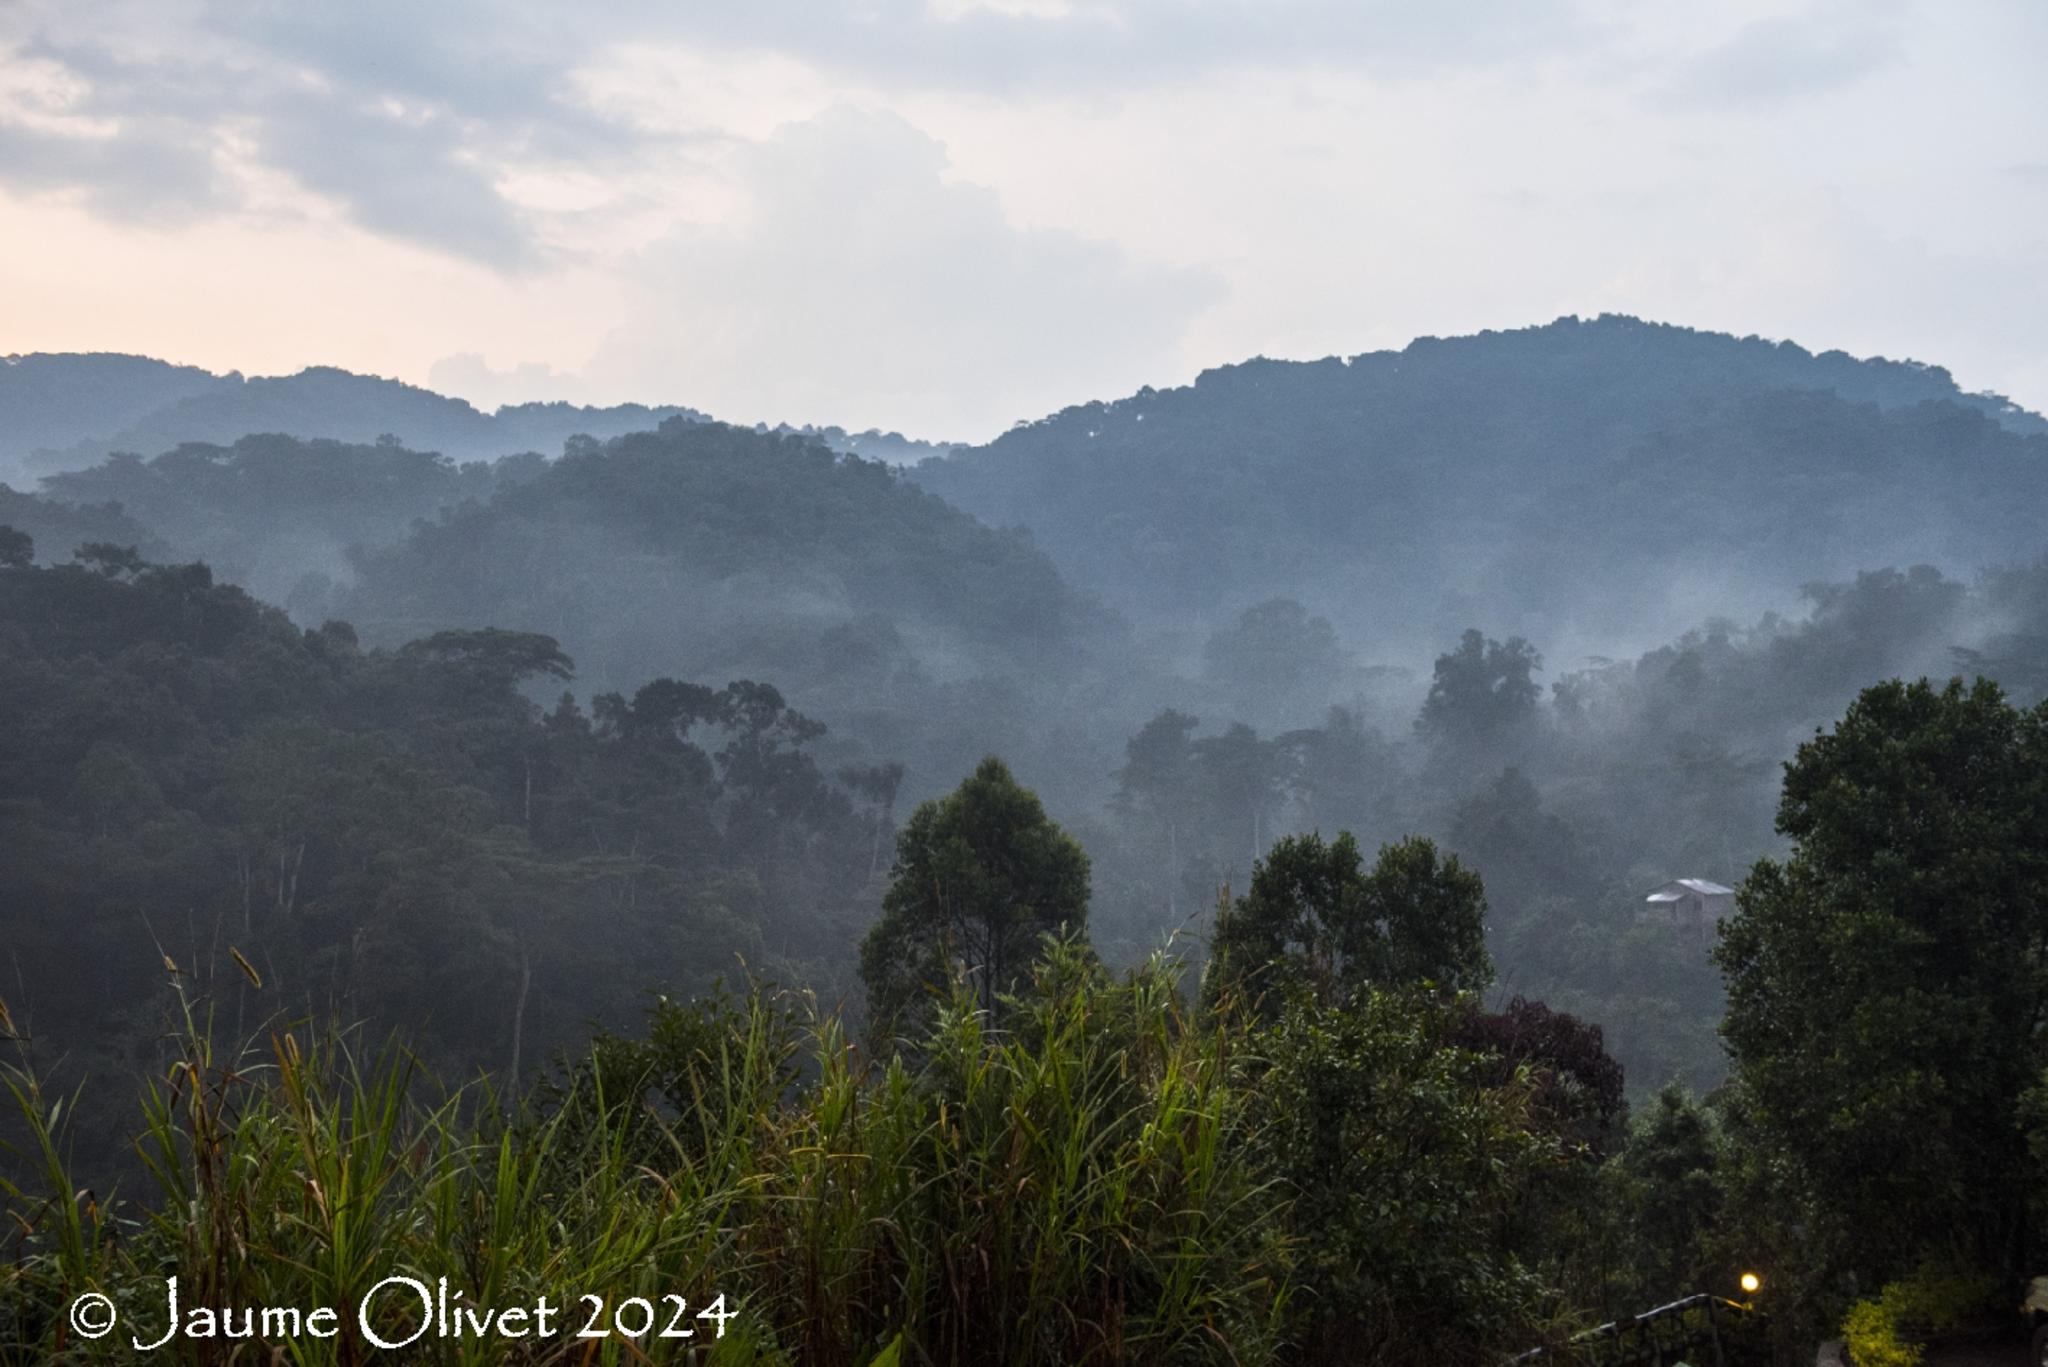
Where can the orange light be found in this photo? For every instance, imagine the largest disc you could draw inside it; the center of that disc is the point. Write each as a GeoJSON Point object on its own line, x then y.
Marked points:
{"type": "Point", "coordinates": [1751, 1283]}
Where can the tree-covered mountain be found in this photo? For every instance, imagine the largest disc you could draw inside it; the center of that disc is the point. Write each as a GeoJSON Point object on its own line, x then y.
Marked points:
{"type": "Point", "coordinates": [58, 528]}
{"type": "Point", "coordinates": [277, 515]}
{"type": "Point", "coordinates": [58, 399]}
{"type": "Point", "coordinates": [707, 550]}
{"type": "Point", "coordinates": [510, 799]}
{"type": "Point", "coordinates": [61, 412]}
{"type": "Point", "coordinates": [1598, 484]}
{"type": "Point", "coordinates": [77, 427]}
{"type": "Point", "coordinates": [400, 837]}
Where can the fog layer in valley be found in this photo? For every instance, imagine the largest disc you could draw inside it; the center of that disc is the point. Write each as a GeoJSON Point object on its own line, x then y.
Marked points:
{"type": "Point", "coordinates": [1564, 599]}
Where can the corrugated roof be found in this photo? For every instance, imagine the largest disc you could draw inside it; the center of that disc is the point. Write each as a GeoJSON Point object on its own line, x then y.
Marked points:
{"type": "Point", "coordinates": [1669, 891]}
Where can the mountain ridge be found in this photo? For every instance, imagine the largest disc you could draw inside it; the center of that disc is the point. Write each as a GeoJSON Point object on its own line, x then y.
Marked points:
{"type": "Point", "coordinates": [1409, 493]}
{"type": "Point", "coordinates": [69, 410]}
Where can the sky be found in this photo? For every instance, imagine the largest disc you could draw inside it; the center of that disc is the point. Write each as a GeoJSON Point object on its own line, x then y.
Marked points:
{"type": "Point", "coordinates": [946, 216]}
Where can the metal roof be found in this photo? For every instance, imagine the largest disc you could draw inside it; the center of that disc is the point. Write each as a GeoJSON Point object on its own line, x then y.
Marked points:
{"type": "Point", "coordinates": [1669, 892]}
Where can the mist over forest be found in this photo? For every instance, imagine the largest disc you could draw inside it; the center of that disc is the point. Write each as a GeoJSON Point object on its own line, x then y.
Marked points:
{"type": "Point", "coordinates": [500, 730]}
{"type": "Point", "coordinates": [1564, 599]}
{"type": "Point", "coordinates": [1024, 683]}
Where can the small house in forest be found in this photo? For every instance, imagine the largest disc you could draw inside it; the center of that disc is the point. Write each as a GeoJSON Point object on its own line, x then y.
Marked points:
{"type": "Point", "coordinates": [1691, 904]}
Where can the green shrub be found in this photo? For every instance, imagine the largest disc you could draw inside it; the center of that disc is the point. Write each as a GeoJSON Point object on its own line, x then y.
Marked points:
{"type": "Point", "coordinates": [1877, 1332]}
{"type": "Point", "coordinates": [1871, 1335]}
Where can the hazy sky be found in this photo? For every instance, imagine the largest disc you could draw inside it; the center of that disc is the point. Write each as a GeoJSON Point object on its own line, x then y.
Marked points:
{"type": "Point", "coordinates": [945, 215]}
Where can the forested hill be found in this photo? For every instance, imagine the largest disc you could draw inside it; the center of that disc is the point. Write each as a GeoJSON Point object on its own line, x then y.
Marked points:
{"type": "Point", "coordinates": [86, 407]}
{"type": "Point", "coordinates": [57, 528]}
{"type": "Point", "coordinates": [397, 837]}
{"type": "Point", "coordinates": [279, 516]}
{"type": "Point", "coordinates": [58, 399]}
{"type": "Point", "coordinates": [713, 551]}
{"type": "Point", "coordinates": [1583, 478]}
{"type": "Point", "coordinates": [61, 412]}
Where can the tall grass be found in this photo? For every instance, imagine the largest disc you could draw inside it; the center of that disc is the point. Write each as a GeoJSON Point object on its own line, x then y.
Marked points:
{"type": "Point", "coordinates": [1070, 1189]}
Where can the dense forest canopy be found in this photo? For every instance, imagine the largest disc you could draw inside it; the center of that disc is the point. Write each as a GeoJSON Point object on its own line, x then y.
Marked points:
{"type": "Point", "coordinates": [68, 411]}
{"type": "Point", "coordinates": [80, 409]}
{"type": "Point", "coordinates": [927, 640]}
{"type": "Point", "coordinates": [711, 551]}
{"type": "Point", "coordinates": [397, 837]}
{"type": "Point", "coordinates": [58, 528]}
{"type": "Point", "coordinates": [1232, 756]}
{"type": "Point", "coordinates": [55, 400]}
{"type": "Point", "coordinates": [1597, 484]}
{"type": "Point", "coordinates": [279, 516]}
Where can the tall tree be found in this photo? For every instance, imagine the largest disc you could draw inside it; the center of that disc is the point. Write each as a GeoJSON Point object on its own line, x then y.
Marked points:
{"type": "Point", "coordinates": [1241, 778]}
{"type": "Point", "coordinates": [980, 875]}
{"type": "Point", "coordinates": [1481, 689]}
{"type": "Point", "coordinates": [1888, 982]}
{"type": "Point", "coordinates": [1155, 786]}
{"type": "Point", "coordinates": [1314, 918]}
{"type": "Point", "coordinates": [1276, 656]}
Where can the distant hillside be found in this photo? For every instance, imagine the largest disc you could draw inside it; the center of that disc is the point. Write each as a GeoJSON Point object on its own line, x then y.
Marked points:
{"type": "Point", "coordinates": [712, 551]}
{"type": "Point", "coordinates": [680, 517]}
{"type": "Point", "coordinates": [59, 400]}
{"type": "Point", "coordinates": [59, 528]}
{"type": "Point", "coordinates": [1597, 483]}
{"type": "Point", "coordinates": [280, 516]}
{"type": "Point", "coordinates": [891, 448]}
{"type": "Point", "coordinates": [317, 402]}
{"type": "Point", "coordinates": [67, 412]}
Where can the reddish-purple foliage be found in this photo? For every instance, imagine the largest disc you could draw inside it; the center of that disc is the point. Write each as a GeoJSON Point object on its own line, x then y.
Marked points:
{"type": "Point", "coordinates": [1579, 1084]}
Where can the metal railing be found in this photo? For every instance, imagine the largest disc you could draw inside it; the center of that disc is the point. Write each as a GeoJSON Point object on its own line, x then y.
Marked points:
{"type": "Point", "coordinates": [1701, 1331]}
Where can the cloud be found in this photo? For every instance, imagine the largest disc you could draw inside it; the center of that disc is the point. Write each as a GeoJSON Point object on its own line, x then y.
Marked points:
{"type": "Point", "coordinates": [861, 286]}
{"type": "Point", "coordinates": [162, 173]}
{"type": "Point", "coordinates": [409, 118]}
{"type": "Point", "coordinates": [404, 117]}
{"type": "Point", "coordinates": [1119, 44]}
{"type": "Point", "coordinates": [1781, 58]}
{"type": "Point", "coordinates": [537, 182]}
{"type": "Point", "coordinates": [468, 375]}
{"type": "Point", "coordinates": [404, 176]}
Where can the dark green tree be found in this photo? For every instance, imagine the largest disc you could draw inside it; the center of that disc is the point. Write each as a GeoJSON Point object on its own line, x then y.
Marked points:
{"type": "Point", "coordinates": [1155, 791]}
{"type": "Point", "coordinates": [17, 549]}
{"type": "Point", "coordinates": [495, 656]}
{"type": "Point", "coordinates": [1241, 779]}
{"type": "Point", "coordinates": [1535, 854]}
{"type": "Point", "coordinates": [1276, 656]}
{"type": "Point", "coordinates": [1406, 1164]}
{"type": "Point", "coordinates": [1481, 689]}
{"type": "Point", "coordinates": [115, 562]}
{"type": "Point", "coordinates": [1673, 1182]}
{"type": "Point", "coordinates": [1887, 982]}
{"type": "Point", "coordinates": [980, 875]}
{"type": "Point", "coordinates": [1342, 773]}
{"type": "Point", "coordinates": [1315, 919]}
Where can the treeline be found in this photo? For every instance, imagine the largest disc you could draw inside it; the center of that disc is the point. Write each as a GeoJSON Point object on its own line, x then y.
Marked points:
{"type": "Point", "coordinates": [1572, 801]}
{"type": "Point", "coordinates": [1041, 1162]}
{"type": "Point", "coordinates": [1331, 1153]}
{"type": "Point", "coordinates": [695, 550]}
{"type": "Point", "coordinates": [283, 518]}
{"type": "Point", "coordinates": [1593, 483]}
{"type": "Point", "coordinates": [1358, 1123]}
{"type": "Point", "coordinates": [75, 409]}
{"type": "Point", "coordinates": [396, 837]}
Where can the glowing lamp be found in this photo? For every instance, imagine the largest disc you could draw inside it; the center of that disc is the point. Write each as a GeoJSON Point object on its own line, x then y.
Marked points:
{"type": "Point", "coordinates": [1751, 1283]}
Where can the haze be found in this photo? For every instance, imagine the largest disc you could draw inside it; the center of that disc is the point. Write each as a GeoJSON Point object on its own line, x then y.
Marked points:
{"type": "Point", "coordinates": [941, 218]}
